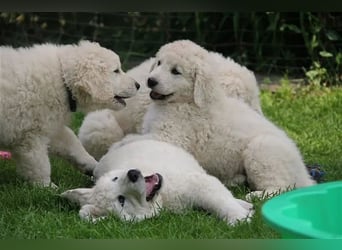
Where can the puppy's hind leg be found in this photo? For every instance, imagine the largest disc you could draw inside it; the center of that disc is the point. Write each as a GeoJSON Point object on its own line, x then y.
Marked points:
{"type": "Point", "coordinates": [32, 161]}
{"type": "Point", "coordinates": [207, 192]}
{"type": "Point", "coordinates": [66, 144]}
{"type": "Point", "coordinates": [273, 165]}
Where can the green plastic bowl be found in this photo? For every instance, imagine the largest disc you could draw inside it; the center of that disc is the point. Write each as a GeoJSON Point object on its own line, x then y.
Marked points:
{"type": "Point", "coordinates": [313, 212]}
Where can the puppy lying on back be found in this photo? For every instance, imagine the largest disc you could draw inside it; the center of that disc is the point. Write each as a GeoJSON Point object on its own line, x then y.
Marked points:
{"type": "Point", "coordinates": [137, 180]}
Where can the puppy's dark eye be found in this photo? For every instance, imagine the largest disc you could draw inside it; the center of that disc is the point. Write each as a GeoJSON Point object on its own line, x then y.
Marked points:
{"type": "Point", "coordinates": [117, 71]}
{"type": "Point", "coordinates": [121, 199]}
{"type": "Point", "coordinates": [175, 71]}
{"type": "Point", "coordinates": [115, 178]}
{"type": "Point", "coordinates": [158, 63]}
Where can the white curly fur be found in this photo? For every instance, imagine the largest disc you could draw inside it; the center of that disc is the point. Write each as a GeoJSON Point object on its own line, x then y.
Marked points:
{"type": "Point", "coordinates": [98, 130]}
{"type": "Point", "coordinates": [34, 106]}
{"type": "Point", "coordinates": [229, 139]}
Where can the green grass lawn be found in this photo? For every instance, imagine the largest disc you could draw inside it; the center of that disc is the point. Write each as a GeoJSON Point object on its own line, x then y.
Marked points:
{"type": "Point", "coordinates": [313, 118]}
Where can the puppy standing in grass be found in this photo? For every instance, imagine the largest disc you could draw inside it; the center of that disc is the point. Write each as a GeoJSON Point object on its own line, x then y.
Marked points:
{"type": "Point", "coordinates": [137, 180]}
{"type": "Point", "coordinates": [229, 139]}
{"type": "Point", "coordinates": [39, 88]}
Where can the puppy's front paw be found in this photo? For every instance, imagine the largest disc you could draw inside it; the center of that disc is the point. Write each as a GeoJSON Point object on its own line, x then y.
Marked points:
{"type": "Point", "coordinates": [91, 213]}
{"type": "Point", "coordinates": [245, 204]}
{"type": "Point", "coordinates": [88, 167]}
{"type": "Point", "coordinates": [86, 212]}
{"type": "Point", "coordinates": [244, 215]}
{"type": "Point", "coordinates": [46, 183]}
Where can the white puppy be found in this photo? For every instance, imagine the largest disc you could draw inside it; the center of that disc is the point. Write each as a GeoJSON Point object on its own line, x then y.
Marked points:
{"type": "Point", "coordinates": [102, 128]}
{"type": "Point", "coordinates": [40, 87]}
{"type": "Point", "coordinates": [228, 138]}
{"type": "Point", "coordinates": [136, 181]}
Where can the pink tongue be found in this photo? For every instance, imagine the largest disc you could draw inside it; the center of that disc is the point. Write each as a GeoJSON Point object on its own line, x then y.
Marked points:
{"type": "Point", "coordinates": [150, 181]}
{"type": "Point", "coordinates": [155, 95]}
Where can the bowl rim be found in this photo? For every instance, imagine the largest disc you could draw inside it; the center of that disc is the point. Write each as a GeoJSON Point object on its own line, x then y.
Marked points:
{"type": "Point", "coordinates": [274, 216]}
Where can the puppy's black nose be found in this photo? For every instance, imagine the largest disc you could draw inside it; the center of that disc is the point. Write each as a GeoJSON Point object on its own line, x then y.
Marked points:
{"type": "Point", "coordinates": [133, 175]}
{"type": "Point", "coordinates": [151, 82]}
{"type": "Point", "coordinates": [137, 85]}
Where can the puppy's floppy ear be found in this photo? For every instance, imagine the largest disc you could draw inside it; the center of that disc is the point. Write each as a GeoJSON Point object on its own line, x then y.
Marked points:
{"type": "Point", "coordinates": [85, 73]}
{"type": "Point", "coordinates": [153, 64]}
{"type": "Point", "coordinates": [204, 90]}
{"type": "Point", "coordinates": [80, 196]}
{"type": "Point", "coordinates": [93, 80]}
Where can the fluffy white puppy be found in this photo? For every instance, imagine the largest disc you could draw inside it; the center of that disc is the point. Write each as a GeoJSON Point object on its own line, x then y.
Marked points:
{"type": "Point", "coordinates": [40, 87]}
{"type": "Point", "coordinates": [136, 181]}
{"type": "Point", "coordinates": [102, 128]}
{"type": "Point", "coordinates": [229, 139]}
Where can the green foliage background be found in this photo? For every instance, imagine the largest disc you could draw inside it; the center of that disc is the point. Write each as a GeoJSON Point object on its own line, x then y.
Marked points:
{"type": "Point", "coordinates": [294, 43]}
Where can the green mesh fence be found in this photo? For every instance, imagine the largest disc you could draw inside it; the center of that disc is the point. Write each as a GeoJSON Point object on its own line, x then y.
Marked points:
{"type": "Point", "coordinates": [267, 42]}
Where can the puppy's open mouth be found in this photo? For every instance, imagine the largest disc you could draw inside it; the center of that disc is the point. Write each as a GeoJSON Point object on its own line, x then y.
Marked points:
{"type": "Point", "coordinates": [153, 185]}
{"type": "Point", "coordinates": [156, 96]}
{"type": "Point", "coordinates": [120, 99]}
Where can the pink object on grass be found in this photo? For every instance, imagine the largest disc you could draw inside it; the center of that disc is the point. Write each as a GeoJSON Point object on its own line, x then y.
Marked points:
{"type": "Point", "coordinates": [5, 155]}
